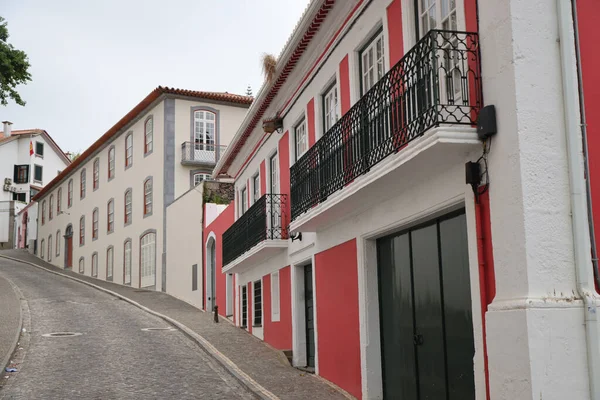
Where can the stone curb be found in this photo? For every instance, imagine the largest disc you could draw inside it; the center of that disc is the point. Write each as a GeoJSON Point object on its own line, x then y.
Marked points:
{"type": "Point", "coordinates": [229, 365]}
{"type": "Point", "coordinates": [6, 360]}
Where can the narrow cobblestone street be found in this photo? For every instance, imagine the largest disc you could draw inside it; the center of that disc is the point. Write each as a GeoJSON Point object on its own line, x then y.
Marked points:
{"type": "Point", "coordinates": [113, 357]}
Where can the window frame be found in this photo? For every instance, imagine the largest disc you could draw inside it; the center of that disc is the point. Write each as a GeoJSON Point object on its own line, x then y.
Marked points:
{"type": "Point", "coordinates": [243, 200]}
{"type": "Point", "coordinates": [82, 184]}
{"type": "Point", "coordinates": [50, 247]}
{"type": "Point", "coordinates": [81, 265]}
{"type": "Point", "coordinates": [110, 261]}
{"type": "Point", "coordinates": [371, 44]}
{"type": "Point", "coordinates": [35, 169]}
{"type": "Point", "coordinates": [21, 169]}
{"type": "Point", "coordinates": [328, 123]}
{"type": "Point", "coordinates": [274, 178]}
{"type": "Point", "coordinates": [82, 231]}
{"type": "Point", "coordinates": [152, 261]}
{"type": "Point", "coordinates": [127, 257]}
{"type": "Point", "coordinates": [301, 125]}
{"type": "Point", "coordinates": [42, 247]}
{"type": "Point", "coordinates": [50, 207]}
{"type": "Point", "coordinates": [110, 216]}
{"type": "Point", "coordinates": [95, 223]}
{"type": "Point", "coordinates": [203, 141]}
{"type": "Point", "coordinates": [128, 150]}
{"type": "Point", "coordinates": [37, 154]}
{"type": "Point", "coordinates": [58, 201]}
{"type": "Point", "coordinates": [58, 243]}
{"type": "Point", "coordinates": [255, 187]}
{"type": "Point", "coordinates": [111, 162]}
{"type": "Point", "coordinates": [127, 221]}
{"type": "Point", "coordinates": [148, 144]}
{"type": "Point", "coordinates": [94, 271]}
{"type": "Point", "coordinates": [70, 193]}
{"type": "Point", "coordinates": [148, 196]}
{"type": "Point", "coordinates": [96, 174]}
{"type": "Point", "coordinates": [257, 306]}
{"type": "Point", "coordinates": [204, 175]}
{"type": "Point", "coordinates": [43, 212]}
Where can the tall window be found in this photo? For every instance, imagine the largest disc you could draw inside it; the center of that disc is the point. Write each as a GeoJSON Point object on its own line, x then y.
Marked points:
{"type": "Point", "coordinates": [128, 207]}
{"type": "Point", "coordinates": [437, 14]}
{"type": "Point", "coordinates": [43, 212]}
{"type": "Point", "coordinates": [147, 257]}
{"type": "Point", "coordinates": [257, 303]}
{"type": "Point", "coordinates": [81, 265]}
{"type": "Point", "coordinates": [330, 108]}
{"type": "Point", "coordinates": [255, 188]}
{"type": "Point", "coordinates": [372, 64]}
{"type": "Point", "coordinates": [95, 264]}
{"type": "Point", "coordinates": [110, 261]}
{"type": "Point", "coordinates": [148, 136]}
{"type": "Point", "coordinates": [50, 206]}
{"type": "Point", "coordinates": [111, 163]}
{"type": "Point", "coordinates": [82, 184]}
{"type": "Point", "coordinates": [301, 139]}
{"type": "Point", "coordinates": [38, 173]}
{"type": "Point", "coordinates": [82, 231]}
{"type": "Point", "coordinates": [96, 173]}
{"type": "Point", "coordinates": [42, 247]}
{"type": "Point", "coordinates": [275, 314]}
{"type": "Point", "coordinates": [95, 224]}
{"type": "Point", "coordinates": [70, 193]}
{"type": "Point", "coordinates": [110, 216]}
{"type": "Point", "coordinates": [148, 197]}
{"type": "Point", "coordinates": [39, 149]}
{"type": "Point", "coordinates": [129, 150]}
{"type": "Point", "coordinates": [21, 174]}
{"type": "Point", "coordinates": [127, 263]}
{"type": "Point", "coordinates": [243, 200]}
{"type": "Point", "coordinates": [244, 306]}
{"type": "Point", "coordinates": [50, 248]}
{"type": "Point", "coordinates": [59, 201]}
{"type": "Point", "coordinates": [274, 162]}
{"type": "Point", "coordinates": [57, 243]}
{"type": "Point", "coordinates": [204, 130]}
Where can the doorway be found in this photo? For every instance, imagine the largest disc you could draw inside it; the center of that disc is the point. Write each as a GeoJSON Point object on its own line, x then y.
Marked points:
{"type": "Point", "coordinates": [69, 247]}
{"type": "Point", "coordinates": [211, 272]}
{"type": "Point", "coordinates": [426, 326]}
{"type": "Point", "coordinates": [309, 316]}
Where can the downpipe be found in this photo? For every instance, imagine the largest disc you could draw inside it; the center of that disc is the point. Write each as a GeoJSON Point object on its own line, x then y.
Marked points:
{"type": "Point", "coordinates": [579, 206]}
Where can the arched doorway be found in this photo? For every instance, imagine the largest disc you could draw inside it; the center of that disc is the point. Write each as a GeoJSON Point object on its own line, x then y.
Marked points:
{"type": "Point", "coordinates": [24, 243]}
{"type": "Point", "coordinates": [211, 294]}
{"type": "Point", "coordinates": [69, 246]}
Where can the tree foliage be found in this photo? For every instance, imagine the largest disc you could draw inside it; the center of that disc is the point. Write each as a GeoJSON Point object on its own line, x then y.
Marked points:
{"type": "Point", "coordinates": [14, 66]}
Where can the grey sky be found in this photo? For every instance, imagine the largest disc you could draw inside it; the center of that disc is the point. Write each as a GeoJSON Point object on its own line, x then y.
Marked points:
{"type": "Point", "coordinates": [92, 61]}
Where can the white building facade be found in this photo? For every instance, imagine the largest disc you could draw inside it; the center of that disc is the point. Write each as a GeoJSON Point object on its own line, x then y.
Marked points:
{"type": "Point", "coordinates": [105, 215]}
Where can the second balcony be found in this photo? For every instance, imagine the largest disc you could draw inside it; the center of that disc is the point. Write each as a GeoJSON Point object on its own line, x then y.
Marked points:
{"type": "Point", "coordinates": [201, 153]}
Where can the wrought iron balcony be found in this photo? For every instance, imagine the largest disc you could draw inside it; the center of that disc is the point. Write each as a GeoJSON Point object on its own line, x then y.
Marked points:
{"type": "Point", "coordinates": [437, 82]}
{"type": "Point", "coordinates": [200, 153]}
{"type": "Point", "coordinates": [265, 220]}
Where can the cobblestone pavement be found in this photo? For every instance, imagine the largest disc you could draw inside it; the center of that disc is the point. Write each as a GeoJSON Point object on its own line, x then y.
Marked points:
{"type": "Point", "coordinates": [262, 363]}
{"type": "Point", "coordinates": [113, 358]}
{"type": "Point", "coordinates": [10, 307]}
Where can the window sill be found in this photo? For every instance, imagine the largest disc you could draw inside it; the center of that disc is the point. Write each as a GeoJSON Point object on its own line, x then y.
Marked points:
{"type": "Point", "coordinates": [36, 181]}
{"type": "Point", "coordinates": [39, 156]}
{"type": "Point", "coordinates": [148, 153]}
{"type": "Point", "coordinates": [128, 166]}
{"type": "Point", "coordinates": [257, 326]}
{"type": "Point", "coordinates": [148, 214]}
{"type": "Point", "coordinates": [127, 223]}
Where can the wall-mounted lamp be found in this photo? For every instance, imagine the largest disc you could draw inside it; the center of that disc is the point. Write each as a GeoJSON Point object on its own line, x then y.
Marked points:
{"type": "Point", "coordinates": [296, 236]}
{"type": "Point", "coordinates": [271, 125]}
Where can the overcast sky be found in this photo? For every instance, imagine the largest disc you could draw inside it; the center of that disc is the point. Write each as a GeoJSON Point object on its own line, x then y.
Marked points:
{"type": "Point", "coordinates": [92, 61]}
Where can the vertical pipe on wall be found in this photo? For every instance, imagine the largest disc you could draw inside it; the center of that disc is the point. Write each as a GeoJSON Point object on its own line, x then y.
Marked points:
{"type": "Point", "coordinates": [579, 207]}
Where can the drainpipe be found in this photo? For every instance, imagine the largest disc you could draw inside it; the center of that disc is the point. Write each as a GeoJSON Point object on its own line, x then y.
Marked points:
{"type": "Point", "coordinates": [579, 205]}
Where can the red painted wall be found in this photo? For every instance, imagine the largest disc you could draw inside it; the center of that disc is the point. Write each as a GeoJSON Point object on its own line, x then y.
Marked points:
{"type": "Point", "coordinates": [284, 173]}
{"type": "Point", "coordinates": [588, 15]}
{"type": "Point", "coordinates": [278, 334]}
{"type": "Point", "coordinates": [263, 177]}
{"type": "Point", "coordinates": [310, 122]}
{"type": "Point", "coordinates": [394, 19]}
{"type": "Point", "coordinates": [345, 85]}
{"type": "Point", "coordinates": [219, 226]}
{"type": "Point", "coordinates": [336, 291]}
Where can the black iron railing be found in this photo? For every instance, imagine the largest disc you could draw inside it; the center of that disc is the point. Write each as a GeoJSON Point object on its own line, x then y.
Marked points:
{"type": "Point", "coordinates": [265, 220]}
{"type": "Point", "coordinates": [437, 82]}
{"type": "Point", "coordinates": [201, 153]}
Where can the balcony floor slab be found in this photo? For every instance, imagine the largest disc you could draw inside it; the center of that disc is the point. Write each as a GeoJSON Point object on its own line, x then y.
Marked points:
{"type": "Point", "coordinates": [257, 254]}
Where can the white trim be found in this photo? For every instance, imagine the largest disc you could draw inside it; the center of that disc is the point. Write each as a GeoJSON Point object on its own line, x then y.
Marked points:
{"type": "Point", "coordinates": [211, 235]}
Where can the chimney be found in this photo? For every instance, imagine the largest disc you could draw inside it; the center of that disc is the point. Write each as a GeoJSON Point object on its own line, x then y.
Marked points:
{"type": "Point", "coordinates": [7, 129]}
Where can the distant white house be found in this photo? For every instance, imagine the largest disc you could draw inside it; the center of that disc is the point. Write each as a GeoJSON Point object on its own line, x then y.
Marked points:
{"type": "Point", "coordinates": [29, 159]}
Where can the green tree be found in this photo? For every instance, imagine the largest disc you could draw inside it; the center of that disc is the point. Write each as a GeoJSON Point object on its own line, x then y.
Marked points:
{"type": "Point", "coordinates": [14, 67]}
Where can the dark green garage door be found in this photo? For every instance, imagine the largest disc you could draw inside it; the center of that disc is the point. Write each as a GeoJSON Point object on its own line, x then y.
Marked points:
{"type": "Point", "coordinates": [425, 312]}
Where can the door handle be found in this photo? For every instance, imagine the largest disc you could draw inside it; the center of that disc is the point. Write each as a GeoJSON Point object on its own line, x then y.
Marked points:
{"type": "Point", "coordinates": [418, 339]}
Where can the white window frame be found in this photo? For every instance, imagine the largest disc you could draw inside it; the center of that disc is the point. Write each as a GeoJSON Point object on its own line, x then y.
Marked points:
{"type": "Point", "coordinates": [148, 135]}
{"type": "Point", "coordinates": [95, 264]}
{"type": "Point", "coordinates": [372, 62]}
{"type": "Point", "coordinates": [40, 155]}
{"type": "Point", "coordinates": [274, 173]}
{"type": "Point", "coordinates": [147, 257]}
{"type": "Point", "coordinates": [129, 149]}
{"type": "Point", "coordinates": [96, 174]}
{"type": "Point", "coordinates": [111, 163]}
{"type": "Point", "coordinates": [255, 188]}
{"type": "Point", "coordinates": [41, 173]}
{"type": "Point", "coordinates": [82, 183]}
{"type": "Point", "coordinates": [49, 247]}
{"type": "Point", "coordinates": [58, 201]}
{"type": "Point", "coordinates": [95, 227]}
{"type": "Point", "coordinates": [110, 262]}
{"type": "Point", "coordinates": [300, 138]}
{"type": "Point", "coordinates": [205, 132]}
{"type": "Point", "coordinates": [43, 212]}
{"type": "Point", "coordinates": [243, 200]}
{"type": "Point", "coordinates": [82, 265]}
{"type": "Point", "coordinates": [203, 177]}
{"type": "Point", "coordinates": [148, 197]}
{"type": "Point", "coordinates": [128, 206]}
{"type": "Point", "coordinates": [50, 207]}
{"type": "Point", "coordinates": [331, 107]}
{"type": "Point", "coordinates": [42, 246]}
{"type": "Point", "coordinates": [70, 193]}
{"type": "Point", "coordinates": [110, 218]}
{"type": "Point", "coordinates": [275, 297]}
{"type": "Point", "coordinates": [127, 262]}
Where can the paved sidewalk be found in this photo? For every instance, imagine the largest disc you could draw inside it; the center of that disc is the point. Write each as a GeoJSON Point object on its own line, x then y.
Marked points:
{"type": "Point", "coordinates": [262, 363]}
{"type": "Point", "coordinates": [10, 321]}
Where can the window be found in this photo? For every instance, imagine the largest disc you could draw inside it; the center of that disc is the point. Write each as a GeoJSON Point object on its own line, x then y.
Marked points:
{"type": "Point", "coordinates": [129, 150]}
{"type": "Point", "coordinates": [50, 248]}
{"type": "Point", "coordinates": [95, 264]}
{"type": "Point", "coordinates": [33, 192]}
{"type": "Point", "coordinates": [20, 197]}
{"type": "Point", "coordinates": [198, 178]}
{"type": "Point", "coordinates": [147, 258]}
{"type": "Point", "coordinates": [110, 261]}
{"type": "Point", "coordinates": [148, 136]}
{"type": "Point", "coordinates": [81, 265]}
{"type": "Point", "coordinates": [59, 201]}
{"type": "Point", "coordinates": [301, 139]}
{"type": "Point", "coordinates": [70, 193]}
{"type": "Point", "coordinates": [43, 212]}
{"type": "Point", "coordinates": [39, 149]}
{"type": "Point", "coordinates": [330, 108]}
{"type": "Point", "coordinates": [82, 185]}
{"type": "Point", "coordinates": [95, 224]}
{"type": "Point", "coordinates": [274, 162]}
{"type": "Point", "coordinates": [127, 262]}
{"type": "Point", "coordinates": [275, 316]}
{"type": "Point", "coordinates": [42, 246]}
{"type": "Point", "coordinates": [38, 172]}
{"type": "Point", "coordinates": [57, 243]}
{"type": "Point", "coordinates": [127, 206]}
{"type": "Point", "coordinates": [204, 130]}
{"type": "Point", "coordinates": [81, 231]}
{"type": "Point", "coordinates": [372, 64]}
{"type": "Point", "coordinates": [244, 201]}
{"type": "Point", "coordinates": [257, 303]}
{"type": "Point", "coordinates": [194, 277]}
{"type": "Point", "coordinates": [111, 163]}
{"type": "Point", "coordinates": [110, 216]}
{"type": "Point", "coordinates": [244, 306]}
{"type": "Point", "coordinates": [432, 12]}
{"type": "Point", "coordinates": [50, 206]}
{"type": "Point", "coordinates": [96, 176]}
{"type": "Point", "coordinates": [21, 174]}
{"type": "Point", "coordinates": [255, 188]}
{"type": "Point", "coordinates": [148, 197]}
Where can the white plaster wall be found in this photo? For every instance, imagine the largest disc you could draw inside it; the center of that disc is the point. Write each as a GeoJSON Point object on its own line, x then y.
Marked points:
{"type": "Point", "coordinates": [212, 211]}
{"type": "Point", "coordinates": [51, 162]}
{"type": "Point", "coordinates": [184, 246]}
{"type": "Point", "coordinates": [9, 156]}
{"type": "Point", "coordinates": [151, 165]}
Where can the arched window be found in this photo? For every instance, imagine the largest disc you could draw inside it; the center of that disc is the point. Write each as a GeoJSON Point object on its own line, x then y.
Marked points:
{"type": "Point", "coordinates": [50, 206]}
{"type": "Point", "coordinates": [70, 193]}
{"type": "Point", "coordinates": [42, 246]}
{"type": "Point", "coordinates": [110, 260]}
{"type": "Point", "coordinates": [148, 135]}
{"type": "Point", "coordinates": [95, 224]}
{"type": "Point", "coordinates": [96, 184]}
{"type": "Point", "coordinates": [50, 248]}
{"type": "Point", "coordinates": [204, 130]}
{"type": "Point", "coordinates": [128, 211]}
{"type": "Point", "coordinates": [148, 197]}
{"type": "Point", "coordinates": [110, 216]}
{"type": "Point", "coordinates": [94, 264]}
{"type": "Point", "coordinates": [82, 230]}
{"type": "Point", "coordinates": [43, 212]}
{"type": "Point", "coordinates": [128, 149]}
{"type": "Point", "coordinates": [59, 201]}
{"type": "Point", "coordinates": [111, 163]}
{"type": "Point", "coordinates": [58, 243]}
{"type": "Point", "coordinates": [147, 259]}
{"type": "Point", "coordinates": [127, 262]}
{"type": "Point", "coordinates": [81, 265]}
{"type": "Point", "coordinates": [82, 184]}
